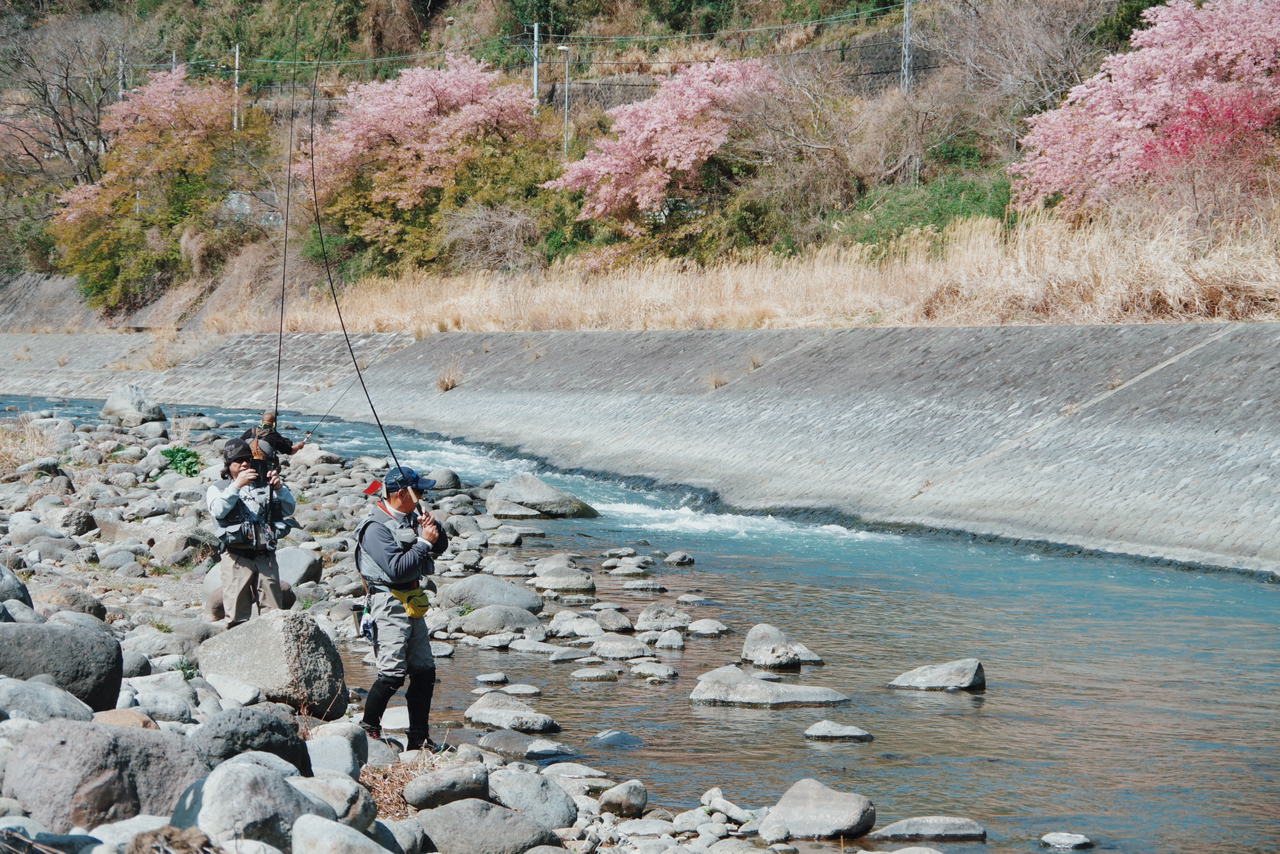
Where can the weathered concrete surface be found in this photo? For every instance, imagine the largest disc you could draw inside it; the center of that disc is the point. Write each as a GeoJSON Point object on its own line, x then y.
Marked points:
{"type": "Point", "coordinates": [1159, 441]}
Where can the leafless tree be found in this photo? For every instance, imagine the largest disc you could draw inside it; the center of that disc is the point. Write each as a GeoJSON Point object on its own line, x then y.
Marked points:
{"type": "Point", "coordinates": [1017, 57]}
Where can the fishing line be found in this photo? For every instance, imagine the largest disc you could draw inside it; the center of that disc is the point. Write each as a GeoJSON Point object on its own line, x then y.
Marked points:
{"type": "Point", "coordinates": [288, 197]}
{"type": "Point", "coordinates": [324, 252]}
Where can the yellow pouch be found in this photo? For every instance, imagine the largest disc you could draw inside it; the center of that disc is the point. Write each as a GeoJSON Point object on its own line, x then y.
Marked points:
{"type": "Point", "coordinates": [415, 602]}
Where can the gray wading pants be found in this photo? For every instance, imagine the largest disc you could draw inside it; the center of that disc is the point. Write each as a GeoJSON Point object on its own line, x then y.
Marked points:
{"type": "Point", "coordinates": [403, 649]}
{"type": "Point", "coordinates": [248, 581]}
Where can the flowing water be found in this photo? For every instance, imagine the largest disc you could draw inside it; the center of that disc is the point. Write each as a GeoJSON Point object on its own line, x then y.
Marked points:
{"type": "Point", "coordinates": [1134, 703]}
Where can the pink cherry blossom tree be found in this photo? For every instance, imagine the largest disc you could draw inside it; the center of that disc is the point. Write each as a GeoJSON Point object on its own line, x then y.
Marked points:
{"type": "Point", "coordinates": [383, 167]}
{"type": "Point", "coordinates": [661, 144]}
{"type": "Point", "coordinates": [1197, 100]}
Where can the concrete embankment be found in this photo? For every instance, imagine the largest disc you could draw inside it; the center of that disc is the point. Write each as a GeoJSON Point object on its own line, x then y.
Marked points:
{"type": "Point", "coordinates": [1158, 441]}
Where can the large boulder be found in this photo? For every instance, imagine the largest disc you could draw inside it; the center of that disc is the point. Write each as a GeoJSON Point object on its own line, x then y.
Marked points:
{"type": "Point", "coordinates": [234, 731]}
{"type": "Point", "coordinates": [86, 663]}
{"type": "Point", "coordinates": [495, 619]}
{"type": "Point", "coordinates": [627, 800]}
{"type": "Point", "coordinates": [473, 826]}
{"type": "Point", "coordinates": [769, 647]}
{"type": "Point", "coordinates": [241, 800]}
{"type": "Point", "coordinates": [536, 796]}
{"type": "Point", "coordinates": [965, 674]}
{"type": "Point", "coordinates": [527, 491]}
{"type": "Point", "coordinates": [129, 406]}
{"type": "Point", "coordinates": [40, 701]}
{"type": "Point", "coordinates": [287, 656]}
{"type": "Point", "coordinates": [479, 591]}
{"type": "Point", "coordinates": [352, 803]}
{"type": "Point", "coordinates": [729, 686]}
{"type": "Point", "coordinates": [72, 774]}
{"type": "Point", "coordinates": [501, 711]}
{"type": "Point", "coordinates": [810, 810]}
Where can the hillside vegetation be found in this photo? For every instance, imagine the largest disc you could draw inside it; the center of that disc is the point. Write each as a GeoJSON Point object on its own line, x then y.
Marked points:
{"type": "Point", "coordinates": [722, 163]}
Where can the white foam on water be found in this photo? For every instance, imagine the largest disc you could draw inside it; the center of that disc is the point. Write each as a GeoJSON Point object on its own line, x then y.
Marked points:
{"type": "Point", "coordinates": [685, 520]}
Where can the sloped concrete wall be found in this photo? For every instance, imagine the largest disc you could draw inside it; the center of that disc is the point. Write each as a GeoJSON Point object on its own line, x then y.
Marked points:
{"type": "Point", "coordinates": [1158, 441]}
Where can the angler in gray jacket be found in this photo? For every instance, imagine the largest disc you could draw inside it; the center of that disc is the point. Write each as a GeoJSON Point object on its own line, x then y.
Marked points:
{"type": "Point", "coordinates": [395, 552]}
{"type": "Point", "coordinates": [250, 513]}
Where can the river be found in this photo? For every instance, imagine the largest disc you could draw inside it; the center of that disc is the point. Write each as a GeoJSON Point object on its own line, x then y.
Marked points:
{"type": "Point", "coordinates": [1135, 703]}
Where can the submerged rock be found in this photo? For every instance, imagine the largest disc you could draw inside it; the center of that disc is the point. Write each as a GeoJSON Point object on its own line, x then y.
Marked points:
{"type": "Point", "coordinates": [935, 827]}
{"type": "Point", "coordinates": [964, 674]}
{"type": "Point", "coordinates": [729, 686]}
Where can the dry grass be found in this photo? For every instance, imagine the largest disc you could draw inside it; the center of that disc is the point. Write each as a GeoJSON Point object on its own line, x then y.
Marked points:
{"type": "Point", "coordinates": [387, 784]}
{"type": "Point", "coordinates": [448, 377]}
{"type": "Point", "coordinates": [1044, 271]}
{"type": "Point", "coordinates": [22, 443]}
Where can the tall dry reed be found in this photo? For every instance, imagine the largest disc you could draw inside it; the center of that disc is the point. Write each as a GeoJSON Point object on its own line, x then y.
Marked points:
{"type": "Point", "coordinates": [975, 273]}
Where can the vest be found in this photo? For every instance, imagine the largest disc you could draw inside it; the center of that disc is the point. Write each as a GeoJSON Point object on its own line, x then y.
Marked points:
{"type": "Point", "coordinates": [245, 529]}
{"type": "Point", "coordinates": [369, 570]}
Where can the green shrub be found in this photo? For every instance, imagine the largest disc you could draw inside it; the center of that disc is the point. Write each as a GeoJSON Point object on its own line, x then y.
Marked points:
{"type": "Point", "coordinates": [183, 460]}
{"type": "Point", "coordinates": [888, 212]}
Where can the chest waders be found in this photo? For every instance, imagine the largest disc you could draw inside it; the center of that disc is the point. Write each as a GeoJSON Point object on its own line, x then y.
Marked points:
{"type": "Point", "coordinates": [393, 626]}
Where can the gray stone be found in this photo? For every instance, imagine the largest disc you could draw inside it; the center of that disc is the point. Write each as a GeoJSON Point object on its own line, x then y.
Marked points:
{"type": "Point", "coordinates": [445, 478]}
{"type": "Point", "coordinates": [239, 800]}
{"type": "Point", "coordinates": [452, 783]}
{"type": "Point", "coordinates": [769, 647]}
{"type": "Point", "coordinates": [831, 731]}
{"type": "Point", "coordinates": [627, 800]}
{"type": "Point", "coordinates": [729, 686]}
{"type": "Point", "coordinates": [500, 508]}
{"type": "Point", "coordinates": [678, 559]}
{"type": "Point", "coordinates": [130, 406]}
{"type": "Point", "coordinates": [399, 837]}
{"type": "Point", "coordinates": [287, 656]}
{"type": "Point", "coordinates": [670, 640]}
{"type": "Point", "coordinates": [528, 491]}
{"type": "Point", "coordinates": [654, 670]}
{"type": "Point", "coordinates": [299, 566]}
{"type": "Point", "coordinates": [707, 628]}
{"type": "Point", "coordinates": [508, 742]}
{"type": "Point", "coordinates": [315, 835]}
{"type": "Point", "coordinates": [164, 707]}
{"type": "Point", "coordinates": [13, 587]}
{"type": "Point", "coordinates": [616, 740]}
{"type": "Point", "coordinates": [350, 801]}
{"type": "Point", "coordinates": [616, 646]}
{"type": "Point", "coordinates": [614, 621]}
{"type": "Point", "coordinates": [965, 674]}
{"type": "Point", "coordinates": [230, 688]}
{"type": "Point", "coordinates": [332, 753]}
{"type": "Point", "coordinates": [41, 702]}
{"type": "Point", "coordinates": [24, 534]}
{"type": "Point", "coordinates": [503, 712]}
{"type": "Point", "coordinates": [645, 827]}
{"type": "Point", "coordinates": [85, 662]}
{"type": "Point", "coordinates": [269, 761]}
{"type": "Point", "coordinates": [534, 795]}
{"type": "Point", "coordinates": [351, 732]}
{"type": "Point", "coordinates": [495, 619]}
{"type": "Point", "coordinates": [73, 774]}
{"type": "Point", "coordinates": [22, 612]}
{"type": "Point", "coordinates": [933, 827]}
{"type": "Point", "coordinates": [135, 664]}
{"type": "Point", "coordinates": [234, 731]}
{"type": "Point", "coordinates": [660, 617]}
{"type": "Point", "coordinates": [474, 826]}
{"type": "Point", "coordinates": [810, 810]}
{"type": "Point", "coordinates": [1066, 840]}
{"type": "Point", "coordinates": [566, 580]}
{"type": "Point", "coordinates": [479, 591]}
{"type": "Point", "coordinates": [594, 674]}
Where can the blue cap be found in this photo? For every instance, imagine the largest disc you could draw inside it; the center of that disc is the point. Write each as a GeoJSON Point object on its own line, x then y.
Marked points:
{"type": "Point", "coordinates": [403, 477]}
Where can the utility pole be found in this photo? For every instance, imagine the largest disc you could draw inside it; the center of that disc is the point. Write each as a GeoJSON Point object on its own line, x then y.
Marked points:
{"type": "Point", "coordinates": [536, 51]}
{"type": "Point", "coordinates": [565, 48]}
{"type": "Point", "coordinates": [235, 119]}
{"type": "Point", "coordinates": [906, 46]}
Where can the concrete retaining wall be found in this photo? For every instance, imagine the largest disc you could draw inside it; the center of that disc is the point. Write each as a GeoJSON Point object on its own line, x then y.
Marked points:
{"type": "Point", "coordinates": [1159, 441]}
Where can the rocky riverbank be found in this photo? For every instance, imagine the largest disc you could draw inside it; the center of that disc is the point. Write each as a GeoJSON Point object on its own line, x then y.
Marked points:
{"type": "Point", "coordinates": [132, 721]}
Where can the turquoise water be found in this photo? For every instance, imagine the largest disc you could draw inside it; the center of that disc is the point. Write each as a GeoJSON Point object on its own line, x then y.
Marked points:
{"type": "Point", "coordinates": [1134, 703]}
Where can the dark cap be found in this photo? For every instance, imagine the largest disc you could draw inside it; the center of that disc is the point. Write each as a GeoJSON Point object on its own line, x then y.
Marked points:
{"type": "Point", "coordinates": [403, 477]}
{"type": "Point", "coordinates": [236, 449]}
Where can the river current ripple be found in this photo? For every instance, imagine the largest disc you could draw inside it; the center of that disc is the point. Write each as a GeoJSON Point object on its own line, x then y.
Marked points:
{"type": "Point", "coordinates": [1133, 703]}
